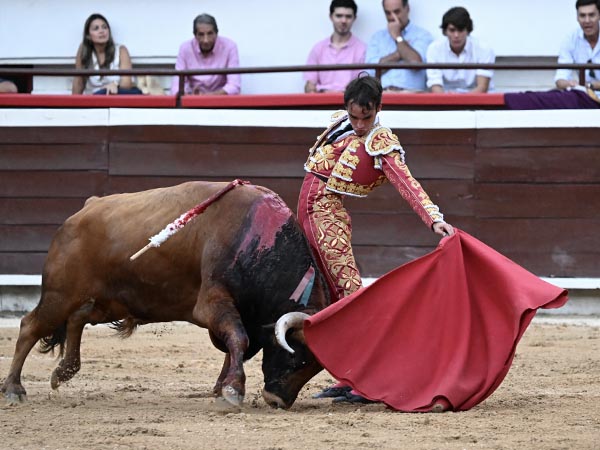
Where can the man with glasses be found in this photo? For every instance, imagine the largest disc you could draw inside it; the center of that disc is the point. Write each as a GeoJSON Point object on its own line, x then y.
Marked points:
{"type": "Point", "coordinates": [581, 46]}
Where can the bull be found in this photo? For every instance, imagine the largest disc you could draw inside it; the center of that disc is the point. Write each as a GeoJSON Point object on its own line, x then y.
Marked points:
{"type": "Point", "coordinates": [232, 270]}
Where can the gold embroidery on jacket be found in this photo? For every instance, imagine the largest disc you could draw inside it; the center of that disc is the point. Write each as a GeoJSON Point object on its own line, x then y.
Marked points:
{"type": "Point", "coordinates": [323, 160]}
{"type": "Point", "coordinates": [382, 141]}
{"type": "Point", "coordinates": [350, 161]}
{"type": "Point", "coordinates": [355, 190]}
{"type": "Point", "coordinates": [345, 173]}
{"type": "Point", "coordinates": [336, 120]}
{"type": "Point", "coordinates": [342, 169]}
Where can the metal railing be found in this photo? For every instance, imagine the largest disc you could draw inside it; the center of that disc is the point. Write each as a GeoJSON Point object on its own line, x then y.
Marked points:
{"type": "Point", "coordinates": [378, 68]}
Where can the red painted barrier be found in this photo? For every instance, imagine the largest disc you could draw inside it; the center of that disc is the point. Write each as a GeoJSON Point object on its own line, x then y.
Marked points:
{"type": "Point", "coordinates": [336, 100]}
{"type": "Point", "coordinates": [88, 101]}
{"type": "Point", "coordinates": [332, 100]}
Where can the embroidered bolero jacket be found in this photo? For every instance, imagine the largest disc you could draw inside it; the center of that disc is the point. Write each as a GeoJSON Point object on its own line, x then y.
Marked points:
{"type": "Point", "coordinates": [355, 165]}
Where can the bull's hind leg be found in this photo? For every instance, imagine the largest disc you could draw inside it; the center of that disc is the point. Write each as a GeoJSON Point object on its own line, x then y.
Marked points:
{"type": "Point", "coordinates": [215, 310]}
{"type": "Point", "coordinates": [226, 364]}
{"type": "Point", "coordinates": [71, 363]}
{"type": "Point", "coordinates": [31, 330]}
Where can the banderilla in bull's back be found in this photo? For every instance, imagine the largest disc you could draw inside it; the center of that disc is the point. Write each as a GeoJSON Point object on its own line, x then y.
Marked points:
{"type": "Point", "coordinates": [182, 221]}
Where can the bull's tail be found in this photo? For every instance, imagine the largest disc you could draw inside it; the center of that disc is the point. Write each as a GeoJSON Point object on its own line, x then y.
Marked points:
{"type": "Point", "coordinates": [125, 328]}
{"type": "Point", "coordinates": [57, 338]}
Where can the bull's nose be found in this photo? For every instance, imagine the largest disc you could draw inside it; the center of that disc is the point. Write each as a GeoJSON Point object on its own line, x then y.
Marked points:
{"type": "Point", "coordinates": [274, 401]}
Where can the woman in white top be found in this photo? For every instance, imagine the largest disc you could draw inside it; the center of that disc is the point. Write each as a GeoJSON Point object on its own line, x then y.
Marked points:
{"type": "Point", "coordinates": [457, 46]}
{"type": "Point", "coordinates": [98, 51]}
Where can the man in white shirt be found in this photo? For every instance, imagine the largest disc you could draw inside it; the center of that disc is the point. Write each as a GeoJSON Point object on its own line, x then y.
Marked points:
{"type": "Point", "coordinates": [581, 46]}
{"type": "Point", "coordinates": [457, 46]}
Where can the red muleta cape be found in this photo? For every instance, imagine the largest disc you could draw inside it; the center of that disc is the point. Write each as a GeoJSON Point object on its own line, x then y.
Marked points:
{"type": "Point", "coordinates": [441, 328]}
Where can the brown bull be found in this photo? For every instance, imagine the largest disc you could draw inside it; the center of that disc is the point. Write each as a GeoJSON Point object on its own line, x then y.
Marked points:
{"type": "Point", "coordinates": [231, 270]}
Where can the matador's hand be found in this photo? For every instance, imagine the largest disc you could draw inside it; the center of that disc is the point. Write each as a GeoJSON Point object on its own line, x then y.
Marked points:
{"type": "Point", "coordinates": [443, 228]}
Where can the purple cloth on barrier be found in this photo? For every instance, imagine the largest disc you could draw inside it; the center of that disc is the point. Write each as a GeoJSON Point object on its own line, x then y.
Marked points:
{"type": "Point", "coordinates": [554, 99]}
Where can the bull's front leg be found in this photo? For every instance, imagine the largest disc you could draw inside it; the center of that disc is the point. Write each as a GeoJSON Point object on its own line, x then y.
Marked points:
{"type": "Point", "coordinates": [216, 311]}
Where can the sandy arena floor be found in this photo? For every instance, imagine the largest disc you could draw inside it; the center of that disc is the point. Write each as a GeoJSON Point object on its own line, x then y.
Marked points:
{"type": "Point", "coordinates": [151, 391]}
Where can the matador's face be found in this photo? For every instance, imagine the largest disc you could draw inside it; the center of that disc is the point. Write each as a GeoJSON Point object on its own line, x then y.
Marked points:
{"type": "Point", "coordinates": [362, 118]}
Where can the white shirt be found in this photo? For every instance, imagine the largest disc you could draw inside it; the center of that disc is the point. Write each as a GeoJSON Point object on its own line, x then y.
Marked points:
{"type": "Point", "coordinates": [575, 49]}
{"type": "Point", "coordinates": [458, 80]}
{"type": "Point", "coordinates": [96, 82]}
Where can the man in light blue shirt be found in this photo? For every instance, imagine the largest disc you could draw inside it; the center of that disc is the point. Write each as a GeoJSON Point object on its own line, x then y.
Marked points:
{"type": "Point", "coordinates": [581, 46]}
{"type": "Point", "coordinates": [401, 42]}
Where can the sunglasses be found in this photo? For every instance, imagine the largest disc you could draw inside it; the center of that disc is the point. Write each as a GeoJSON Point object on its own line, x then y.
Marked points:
{"type": "Point", "coordinates": [592, 72]}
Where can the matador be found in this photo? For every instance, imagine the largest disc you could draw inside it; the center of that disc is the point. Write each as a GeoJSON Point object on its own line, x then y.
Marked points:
{"type": "Point", "coordinates": [353, 156]}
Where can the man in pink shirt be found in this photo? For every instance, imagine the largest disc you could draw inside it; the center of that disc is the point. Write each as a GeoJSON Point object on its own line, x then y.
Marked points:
{"type": "Point", "coordinates": [340, 48]}
{"type": "Point", "coordinates": [207, 50]}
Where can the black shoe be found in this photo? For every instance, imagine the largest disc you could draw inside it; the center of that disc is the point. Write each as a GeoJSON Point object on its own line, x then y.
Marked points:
{"type": "Point", "coordinates": [349, 397]}
{"type": "Point", "coordinates": [333, 392]}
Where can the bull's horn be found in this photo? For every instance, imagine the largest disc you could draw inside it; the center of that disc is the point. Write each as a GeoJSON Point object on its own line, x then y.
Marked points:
{"type": "Point", "coordinates": [285, 322]}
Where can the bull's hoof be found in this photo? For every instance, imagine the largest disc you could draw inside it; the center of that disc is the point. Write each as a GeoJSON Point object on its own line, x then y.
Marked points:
{"type": "Point", "coordinates": [222, 405]}
{"type": "Point", "coordinates": [232, 396]}
{"type": "Point", "coordinates": [14, 399]}
{"type": "Point", "coordinates": [54, 380]}
{"type": "Point", "coordinates": [217, 389]}
{"type": "Point", "coordinates": [61, 375]}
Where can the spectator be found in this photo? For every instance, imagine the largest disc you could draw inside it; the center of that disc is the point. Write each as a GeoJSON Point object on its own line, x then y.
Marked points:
{"type": "Point", "coordinates": [581, 46]}
{"type": "Point", "coordinates": [207, 50]}
{"type": "Point", "coordinates": [99, 51]}
{"type": "Point", "coordinates": [401, 42]}
{"type": "Point", "coordinates": [342, 47]}
{"type": "Point", "coordinates": [459, 47]}
{"type": "Point", "coordinates": [7, 87]}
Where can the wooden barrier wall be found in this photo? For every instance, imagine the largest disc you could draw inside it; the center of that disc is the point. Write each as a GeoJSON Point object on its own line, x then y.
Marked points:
{"type": "Point", "coordinates": [532, 194]}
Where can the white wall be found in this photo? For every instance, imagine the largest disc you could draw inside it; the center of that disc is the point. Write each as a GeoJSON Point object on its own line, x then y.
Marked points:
{"type": "Point", "coordinates": [268, 32]}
